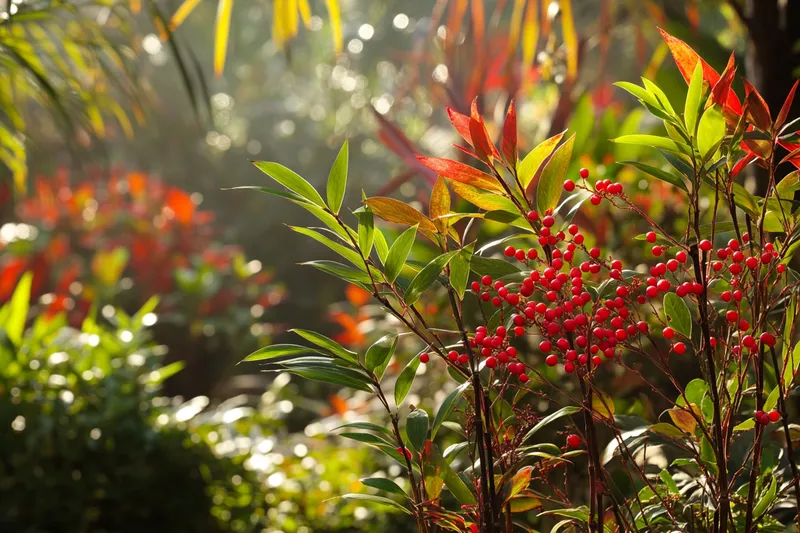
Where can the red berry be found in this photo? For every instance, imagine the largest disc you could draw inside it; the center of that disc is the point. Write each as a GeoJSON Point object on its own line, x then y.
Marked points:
{"type": "Point", "coordinates": [510, 251]}
{"type": "Point", "coordinates": [491, 362]}
{"type": "Point", "coordinates": [751, 262]}
{"type": "Point", "coordinates": [424, 358]}
{"type": "Point", "coordinates": [668, 333]}
{"type": "Point", "coordinates": [774, 416]}
{"type": "Point", "coordinates": [681, 256]}
{"type": "Point", "coordinates": [545, 346]}
{"type": "Point", "coordinates": [595, 200]}
{"type": "Point", "coordinates": [452, 356]}
{"type": "Point", "coordinates": [584, 173]}
{"type": "Point", "coordinates": [705, 245]}
{"type": "Point", "coordinates": [569, 368]}
{"type": "Point", "coordinates": [657, 251]}
{"type": "Point", "coordinates": [748, 341]}
{"type": "Point", "coordinates": [679, 348]}
{"type": "Point", "coordinates": [651, 236]}
{"type": "Point", "coordinates": [551, 360]}
{"type": "Point", "coordinates": [569, 185]}
{"type": "Point", "coordinates": [732, 316]}
{"type": "Point", "coordinates": [533, 216]}
{"type": "Point", "coordinates": [463, 358]}
{"type": "Point", "coordinates": [476, 286]}
{"type": "Point", "coordinates": [548, 221]}
{"type": "Point", "coordinates": [532, 254]}
{"type": "Point", "coordinates": [573, 441]}
{"type": "Point", "coordinates": [520, 255]}
{"type": "Point", "coordinates": [781, 268]}
{"type": "Point", "coordinates": [486, 280]}
{"type": "Point", "coordinates": [523, 378]}
{"type": "Point", "coordinates": [767, 339]}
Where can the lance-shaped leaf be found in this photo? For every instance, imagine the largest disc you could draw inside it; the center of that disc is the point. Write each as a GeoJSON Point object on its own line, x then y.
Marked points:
{"type": "Point", "coordinates": [425, 277]}
{"type": "Point", "coordinates": [509, 145]}
{"type": "Point", "coordinates": [398, 253]}
{"type": "Point", "coordinates": [483, 199]}
{"type": "Point", "coordinates": [439, 203]}
{"type": "Point", "coordinates": [757, 110]}
{"type": "Point", "coordinates": [375, 499]}
{"type": "Point", "coordinates": [392, 210]}
{"type": "Point", "coordinates": [658, 173]}
{"type": "Point", "coordinates": [459, 270]}
{"type": "Point", "coordinates": [710, 131]}
{"type": "Point", "coordinates": [280, 350]}
{"type": "Point", "coordinates": [366, 231]}
{"type": "Point", "coordinates": [786, 107]}
{"type": "Point", "coordinates": [291, 181]}
{"type": "Point", "coordinates": [348, 253]}
{"type": "Point", "coordinates": [564, 411]}
{"type": "Point", "coordinates": [719, 92]}
{"type": "Point", "coordinates": [447, 407]}
{"type": "Point", "coordinates": [461, 124]}
{"type": "Point", "coordinates": [343, 272]}
{"type": "Point", "coordinates": [405, 380]}
{"type": "Point", "coordinates": [551, 183]}
{"type": "Point", "coordinates": [483, 145]}
{"type": "Point", "coordinates": [417, 426]}
{"type": "Point", "coordinates": [691, 109]}
{"type": "Point", "coordinates": [384, 484]}
{"type": "Point", "coordinates": [327, 344]}
{"type": "Point", "coordinates": [678, 316]}
{"type": "Point", "coordinates": [536, 158]}
{"type": "Point", "coordinates": [655, 141]}
{"type": "Point", "coordinates": [337, 180]}
{"type": "Point", "coordinates": [457, 171]}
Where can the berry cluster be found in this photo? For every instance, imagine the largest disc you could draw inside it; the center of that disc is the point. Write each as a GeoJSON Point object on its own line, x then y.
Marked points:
{"type": "Point", "coordinates": [602, 188]}
{"type": "Point", "coordinates": [765, 418]}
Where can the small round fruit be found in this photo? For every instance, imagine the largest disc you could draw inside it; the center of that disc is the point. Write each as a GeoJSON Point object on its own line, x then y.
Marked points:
{"type": "Point", "coordinates": [424, 358]}
{"type": "Point", "coordinates": [584, 173]}
{"type": "Point", "coordinates": [573, 441]}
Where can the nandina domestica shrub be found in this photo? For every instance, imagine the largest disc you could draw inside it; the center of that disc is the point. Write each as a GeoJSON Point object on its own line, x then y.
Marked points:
{"type": "Point", "coordinates": [539, 319]}
{"type": "Point", "coordinates": [117, 239]}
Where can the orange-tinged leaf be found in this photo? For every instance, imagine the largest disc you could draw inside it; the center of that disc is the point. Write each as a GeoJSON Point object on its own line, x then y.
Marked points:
{"type": "Point", "coordinates": [457, 171]}
{"type": "Point", "coordinates": [534, 161]}
{"type": "Point", "coordinates": [524, 502]}
{"type": "Point", "coordinates": [398, 212]}
{"type": "Point", "coordinates": [743, 162]}
{"type": "Point", "coordinates": [686, 59]}
{"type": "Point", "coordinates": [520, 481]}
{"type": "Point", "coordinates": [684, 420]}
{"type": "Point", "coordinates": [515, 26]}
{"type": "Point", "coordinates": [480, 137]}
{"type": "Point", "coordinates": [510, 135]}
{"type": "Point", "coordinates": [461, 124]}
{"type": "Point", "coordinates": [222, 33]}
{"type": "Point", "coordinates": [456, 19]}
{"type": "Point", "coordinates": [483, 199]}
{"type": "Point", "coordinates": [440, 201]}
{"type": "Point", "coordinates": [570, 38]}
{"type": "Point", "coordinates": [787, 105]}
{"type": "Point", "coordinates": [530, 36]}
{"type": "Point", "coordinates": [182, 12]}
{"type": "Point", "coordinates": [757, 109]}
{"type": "Point", "coordinates": [478, 22]}
{"type": "Point", "coordinates": [335, 16]}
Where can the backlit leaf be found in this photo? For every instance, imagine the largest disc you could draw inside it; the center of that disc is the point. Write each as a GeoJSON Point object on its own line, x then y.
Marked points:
{"type": "Point", "coordinates": [291, 181]}
{"type": "Point", "coordinates": [328, 344]}
{"type": "Point", "coordinates": [693, 97]}
{"type": "Point", "coordinates": [678, 316]}
{"type": "Point", "coordinates": [405, 380]}
{"type": "Point", "coordinates": [399, 212]}
{"type": "Point", "coordinates": [683, 420]}
{"type": "Point", "coordinates": [439, 202]}
{"type": "Point", "coordinates": [221, 34]}
{"type": "Point", "coordinates": [481, 198]}
{"type": "Point", "coordinates": [337, 180]}
{"type": "Point", "coordinates": [398, 253]}
{"type": "Point", "coordinates": [532, 162]}
{"type": "Point", "coordinates": [655, 141]}
{"type": "Point", "coordinates": [384, 484]}
{"type": "Point", "coordinates": [417, 429]}
{"type": "Point", "coordinates": [710, 131]}
{"type": "Point", "coordinates": [464, 173]}
{"type": "Point", "coordinates": [280, 350]}
{"type": "Point", "coordinates": [426, 277]}
{"type": "Point", "coordinates": [380, 352]}
{"type": "Point", "coordinates": [551, 183]}
{"type": "Point", "coordinates": [459, 270]}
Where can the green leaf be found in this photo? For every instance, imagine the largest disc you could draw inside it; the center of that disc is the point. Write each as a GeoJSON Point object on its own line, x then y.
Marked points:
{"type": "Point", "coordinates": [398, 253]}
{"type": "Point", "coordinates": [376, 499]}
{"type": "Point", "coordinates": [662, 428]}
{"type": "Point", "coordinates": [691, 109]}
{"type": "Point", "coordinates": [641, 93]}
{"type": "Point", "coordinates": [417, 429]}
{"type": "Point", "coordinates": [459, 270]}
{"type": "Point", "coordinates": [551, 183]}
{"type": "Point", "coordinates": [14, 314]}
{"type": "Point", "coordinates": [678, 316]}
{"type": "Point", "coordinates": [425, 277]}
{"type": "Point", "coordinates": [747, 425]}
{"type": "Point", "coordinates": [656, 91]}
{"type": "Point", "coordinates": [343, 272]}
{"type": "Point", "coordinates": [710, 131]}
{"type": "Point", "coordinates": [366, 438]}
{"type": "Point", "coordinates": [532, 162]}
{"type": "Point", "coordinates": [329, 220]}
{"type": "Point", "coordinates": [380, 352]}
{"type": "Point", "coordinates": [366, 231]}
{"type": "Point", "coordinates": [328, 344]}
{"type": "Point", "coordinates": [291, 181]}
{"type": "Point", "coordinates": [792, 362]}
{"type": "Point", "coordinates": [564, 411]}
{"type": "Point", "coordinates": [766, 501]}
{"type": "Point", "coordinates": [381, 246]}
{"type": "Point", "coordinates": [159, 376]}
{"type": "Point", "coordinates": [772, 400]}
{"type": "Point", "coordinates": [447, 407]}
{"type": "Point", "coordinates": [386, 485]}
{"type": "Point", "coordinates": [337, 180]}
{"type": "Point", "coordinates": [336, 376]}
{"type": "Point", "coordinates": [405, 380]}
{"type": "Point", "coordinates": [367, 426]}
{"type": "Point", "coordinates": [496, 268]}
{"type": "Point", "coordinates": [654, 141]}
{"type": "Point", "coordinates": [280, 350]}
{"type": "Point", "coordinates": [666, 477]}
{"type": "Point", "coordinates": [658, 173]}
{"type": "Point", "coordinates": [348, 253]}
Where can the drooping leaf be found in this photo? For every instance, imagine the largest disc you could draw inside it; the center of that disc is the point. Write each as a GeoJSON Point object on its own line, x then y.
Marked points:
{"type": "Point", "coordinates": [327, 344]}
{"type": "Point", "coordinates": [417, 429]}
{"type": "Point", "coordinates": [380, 352]}
{"type": "Point", "coordinates": [459, 270]}
{"type": "Point", "coordinates": [767, 500]}
{"type": "Point", "coordinates": [683, 420]}
{"type": "Point", "coordinates": [367, 426]}
{"type": "Point", "coordinates": [678, 316]}
{"type": "Point", "coordinates": [654, 141]}
{"type": "Point", "coordinates": [496, 268]}
{"type": "Point", "coordinates": [291, 181]}
{"type": "Point", "coordinates": [548, 190]}
{"type": "Point", "coordinates": [334, 375]}
{"type": "Point", "coordinates": [532, 162]}
{"type": "Point", "coordinates": [483, 199]}
{"type": "Point", "coordinates": [564, 411]}
{"type": "Point", "coordinates": [398, 212]}
{"type": "Point", "coordinates": [280, 350]}
{"type": "Point", "coordinates": [405, 380]}
{"type": "Point", "coordinates": [384, 484]}
{"type": "Point", "coordinates": [658, 173]}
{"type": "Point", "coordinates": [337, 180]}
{"type": "Point", "coordinates": [398, 253]}
{"type": "Point", "coordinates": [457, 171]}
{"type": "Point", "coordinates": [348, 253]}
{"type": "Point", "coordinates": [425, 277]}
{"type": "Point", "coordinates": [369, 497]}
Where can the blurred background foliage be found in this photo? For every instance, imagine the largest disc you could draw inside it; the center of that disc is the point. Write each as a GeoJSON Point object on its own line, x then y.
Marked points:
{"type": "Point", "coordinates": [122, 120]}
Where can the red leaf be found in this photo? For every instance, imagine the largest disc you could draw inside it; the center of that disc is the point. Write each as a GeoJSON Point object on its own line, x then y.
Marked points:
{"type": "Point", "coordinates": [792, 147]}
{"type": "Point", "coordinates": [758, 110]}
{"type": "Point", "coordinates": [686, 59]}
{"type": "Point", "coordinates": [743, 162]}
{"type": "Point", "coordinates": [787, 105]}
{"type": "Point", "coordinates": [722, 94]}
{"type": "Point", "coordinates": [396, 141]}
{"type": "Point", "coordinates": [460, 172]}
{"type": "Point", "coordinates": [480, 137]}
{"type": "Point", "coordinates": [510, 135]}
{"type": "Point", "coordinates": [461, 124]}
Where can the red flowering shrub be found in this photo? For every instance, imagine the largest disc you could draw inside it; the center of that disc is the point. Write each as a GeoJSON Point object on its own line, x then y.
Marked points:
{"type": "Point", "coordinates": [118, 241]}
{"type": "Point", "coordinates": [539, 330]}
